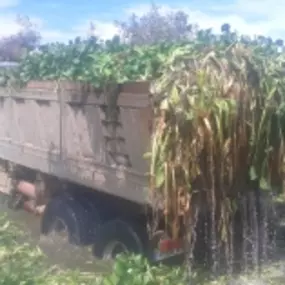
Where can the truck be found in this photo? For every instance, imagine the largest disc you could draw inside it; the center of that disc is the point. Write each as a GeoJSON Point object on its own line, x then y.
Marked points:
{"type": "Point", "coordinates": [74, 155]}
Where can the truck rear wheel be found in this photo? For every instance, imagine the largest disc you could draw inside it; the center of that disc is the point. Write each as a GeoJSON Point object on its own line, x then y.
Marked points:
{"type": "Point", "coordinates": [116, 237]}
{"type": "Point", "coordinates": [64, 214]}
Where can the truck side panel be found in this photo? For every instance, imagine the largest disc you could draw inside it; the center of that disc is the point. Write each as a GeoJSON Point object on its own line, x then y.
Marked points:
{"type": "Point", "coordinates": [67, 134]}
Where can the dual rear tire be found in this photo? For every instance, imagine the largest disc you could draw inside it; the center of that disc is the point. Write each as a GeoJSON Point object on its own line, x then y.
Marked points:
{"type": "Point", "coordinates": [116, 237]}
{"type": "Point", "coordinates": [82, 225]}
{"type": "Point", "coordinates": [64, 213]}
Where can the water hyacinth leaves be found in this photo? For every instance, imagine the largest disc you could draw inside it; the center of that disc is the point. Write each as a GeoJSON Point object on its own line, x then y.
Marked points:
{"type": "Point", "coordinates": [94, 62]}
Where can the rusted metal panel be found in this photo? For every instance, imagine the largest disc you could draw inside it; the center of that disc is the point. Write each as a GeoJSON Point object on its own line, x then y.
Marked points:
{"type": "Point", "coordinates": [5, 180]}
{"type": "Point", "coordinates": [135, 130]}
{"type": "Point", "coordinates": [5, 119]}
{"type": "Point", "coordinates": [83, 136]}
{"type": "Point", "coordinates": [66, 130]}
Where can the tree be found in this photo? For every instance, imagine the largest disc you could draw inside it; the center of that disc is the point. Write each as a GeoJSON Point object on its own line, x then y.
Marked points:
{"type": "Point", "coordinates": [226, 28]}
{"type": "Point", "coordinates": [279, 42]}
{"type": "Point", "coordinates": [155, 27]}
{"type": "Point", "coordinates": [13, 47]}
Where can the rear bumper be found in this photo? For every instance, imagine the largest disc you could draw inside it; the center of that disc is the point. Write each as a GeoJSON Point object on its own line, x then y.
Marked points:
{"type": "Point", "coordinates": [171, 259]}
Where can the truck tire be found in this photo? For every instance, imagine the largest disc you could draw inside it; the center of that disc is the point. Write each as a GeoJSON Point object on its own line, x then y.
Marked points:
{"type": "Point", "coordinates": [116, 237]}
{"type": "Point", "coordinates": [66, 212]}
{"type": "Point", "coordinates": [93, 219]}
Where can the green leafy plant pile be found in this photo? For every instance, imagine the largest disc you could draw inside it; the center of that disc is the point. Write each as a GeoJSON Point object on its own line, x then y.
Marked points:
{"type": "Point", "coordinates": [102, 62]}
{"type": "Point", "coordinates": [94, 62]}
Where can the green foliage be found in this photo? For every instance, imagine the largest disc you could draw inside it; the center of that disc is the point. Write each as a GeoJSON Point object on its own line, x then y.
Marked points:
{"type": "Point", "coordinates": [136, 270]}
{"type": "Point", "coordinates": [102, 62]}
{"type": "Point", "coordinates": [23, 264]}
{"type": "Point", "coordinates": [94, 62]}
{"type": "Point", "coordinates": [26, 265]}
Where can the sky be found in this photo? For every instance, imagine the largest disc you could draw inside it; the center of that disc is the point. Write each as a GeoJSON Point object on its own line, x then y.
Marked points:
{"type": "Point", "coordinates": [61, 20]}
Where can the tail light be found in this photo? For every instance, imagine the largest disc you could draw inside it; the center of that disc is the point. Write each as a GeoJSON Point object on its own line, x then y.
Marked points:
{"type": "Point", "coordinates": [168, 245]}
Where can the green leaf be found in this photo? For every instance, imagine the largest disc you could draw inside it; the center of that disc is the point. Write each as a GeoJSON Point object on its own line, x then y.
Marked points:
{"type": "Point", "coordinates": [159, 177]}
{"type": "Point", "coordinates": [264, 185]}
{"type": "Point", "coordinates": [252, 173]}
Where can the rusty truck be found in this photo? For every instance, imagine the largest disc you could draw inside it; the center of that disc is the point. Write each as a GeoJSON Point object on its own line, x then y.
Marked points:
{"type": "Point", "coordinates": [75, 159]}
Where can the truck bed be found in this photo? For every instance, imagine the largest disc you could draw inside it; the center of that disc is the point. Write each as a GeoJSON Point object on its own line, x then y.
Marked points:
{"type": "Point", "coordinates": [65, 131]}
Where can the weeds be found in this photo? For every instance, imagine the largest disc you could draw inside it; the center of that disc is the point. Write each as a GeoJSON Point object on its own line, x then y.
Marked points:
{"type": "Point", "coordinates": [23, 264]}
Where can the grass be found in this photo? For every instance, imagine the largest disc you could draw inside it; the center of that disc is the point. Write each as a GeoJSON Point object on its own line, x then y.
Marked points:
{"type": "Point", "coordinates": [24, 264]}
